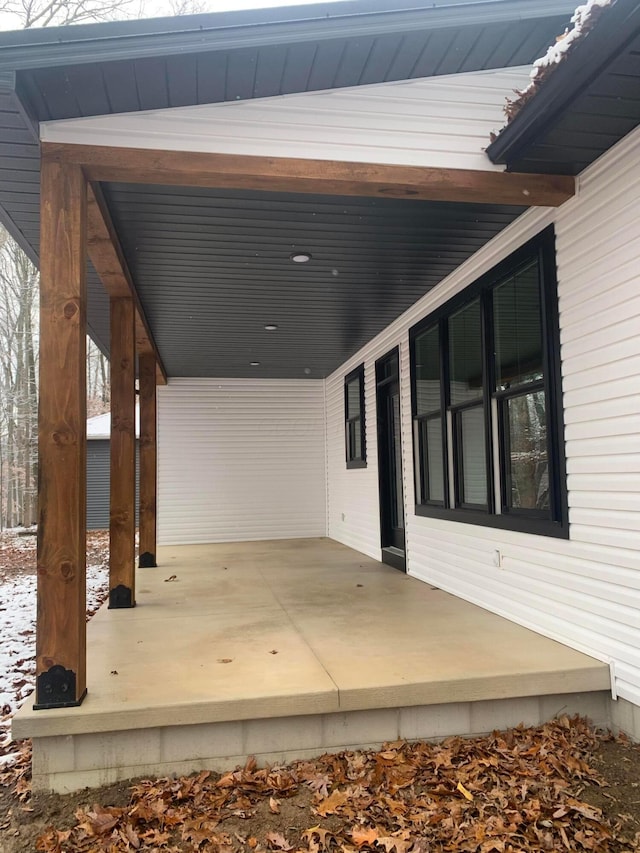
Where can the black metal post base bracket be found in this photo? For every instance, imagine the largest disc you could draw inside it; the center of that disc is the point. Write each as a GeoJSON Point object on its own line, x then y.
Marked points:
{"type": "Point", "coordinates": [56, 688]}
{"type": "Point", "coordinates": [120, 598]}
{"type": "Point", "coordinates": [147, 560]}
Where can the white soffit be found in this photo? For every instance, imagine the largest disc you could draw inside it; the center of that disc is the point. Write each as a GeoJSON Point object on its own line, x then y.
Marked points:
{"type": "Point", "coordinates": [436, 121]}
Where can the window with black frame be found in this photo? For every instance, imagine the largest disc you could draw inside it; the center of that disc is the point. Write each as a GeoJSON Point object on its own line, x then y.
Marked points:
{"type": "Point", "coordinates": [354, 419]}
{"type": "Point", "coordinates": [488, 432]}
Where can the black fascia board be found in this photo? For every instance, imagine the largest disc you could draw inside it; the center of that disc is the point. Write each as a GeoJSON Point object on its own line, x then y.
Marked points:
{"type": "Point", "coordinates": [589, 58]}
{"type": "Point", "coordinates": [112, 41]}
{"type": "Point", "coordinates": [16, 234]}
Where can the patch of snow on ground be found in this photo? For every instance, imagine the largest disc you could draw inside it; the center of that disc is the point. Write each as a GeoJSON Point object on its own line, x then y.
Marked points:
{"type": "Point", "coordinates": [17, 640]}
{"type": "Point", "coordinates": [17, 650]}
{"type": "Point", "coordinates": [18, 538]}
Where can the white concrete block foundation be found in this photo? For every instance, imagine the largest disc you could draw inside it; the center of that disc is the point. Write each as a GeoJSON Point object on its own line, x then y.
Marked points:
{"type": "Point", "coordinates": [65, 763]}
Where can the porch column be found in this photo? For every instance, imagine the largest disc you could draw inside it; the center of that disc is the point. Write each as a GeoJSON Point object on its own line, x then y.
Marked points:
{"type": "Point", "coordinates": [148, 459]}
{"type": "Point", "coordinates": [62, 418]}
{"type": "Point", "coordinates": [122, 517]}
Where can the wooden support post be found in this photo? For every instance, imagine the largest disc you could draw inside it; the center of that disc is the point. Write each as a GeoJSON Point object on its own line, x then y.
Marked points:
{"type": "Point", "coordinates": [61, 619]}
{"type": "Point", "coordinates": [148, 459]}
{"type": "Point", "coordinates": [122, 515]}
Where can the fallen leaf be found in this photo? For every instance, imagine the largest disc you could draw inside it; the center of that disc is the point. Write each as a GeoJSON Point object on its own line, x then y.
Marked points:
{"type": "Point", "coordinates": [466, 794]}
{"type": "Point", "coordinates": [317, 837]}
{"type": "Point", "coordinates": [274, 806]}
{"type": "Point", "coordinates": [332, 803]}
{"type": "Point", "coordinates": [362, 836]}
{"type": "Point", "coordinates": [591, 812]}
{"type": "Point", "coordinates": [273, 652]}
{"type": "Point", "coordinates": [171, 578]}
{"type": "Point", "coordinates": [389, 755]}
{"type": "Point", "coordinates": [225, 660]}
{"type": "Point", "coordinates": [392, 842]}
{"type": "Point", "coordinates": [132, 836]}
{"type": "Point", "coordinates": [277, 841]}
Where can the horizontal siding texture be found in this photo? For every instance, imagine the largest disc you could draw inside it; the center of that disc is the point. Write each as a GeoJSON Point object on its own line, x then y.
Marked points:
{"type": "Point", "coordinates": [240, 460]}
{"type": "Point", "coordinates": [98, 479]}
{"type": "Point", "coordinates": [584, 591]}
{"type": "Point", "coordinates": [436, 121]}
{"type": "Point", "coordinates": [353, 509]}
{"type": "Point", "coordinates": [98, 483]}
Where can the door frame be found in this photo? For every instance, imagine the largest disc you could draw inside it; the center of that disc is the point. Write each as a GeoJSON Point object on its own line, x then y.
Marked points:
{"type": "Point", "coordinates": [391, 554]}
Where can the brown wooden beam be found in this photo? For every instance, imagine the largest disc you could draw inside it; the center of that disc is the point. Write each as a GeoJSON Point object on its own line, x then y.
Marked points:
{"type": "Point", "coordinates": [108, 259]}
{"type": "Point", "coordinates": [122, 511]}
{"type": "Point", "coordinates": [329, 177]}
{"type": "Point", "coordinates": [62, 416]}
{"type": "Point", "coordinates": [148, 460]}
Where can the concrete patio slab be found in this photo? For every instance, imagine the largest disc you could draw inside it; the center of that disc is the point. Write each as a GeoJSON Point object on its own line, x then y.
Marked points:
{"type": "Point", "coordinates": [299, 646]}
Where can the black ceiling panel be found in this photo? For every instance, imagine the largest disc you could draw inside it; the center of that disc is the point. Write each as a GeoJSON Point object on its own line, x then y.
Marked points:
{"type": "Point", "coordinates": [150, 81]}
{"type": "Point", "coordinates": [211, 78]}
{"type": "Point", "coordinates": [157, 82]}
{"type": "Point", "coordinates": [117, 76]}
{"type": "Point", "coordinates": [213, 268]}
{"type": "Point", "coordinates": [229, 252]}
{"type": "Point", "coordinates": [89, 89]}
{"type": "Point", "coordinates": [270, 71]}
{"type": "Point", "coordinates": [182, 80]}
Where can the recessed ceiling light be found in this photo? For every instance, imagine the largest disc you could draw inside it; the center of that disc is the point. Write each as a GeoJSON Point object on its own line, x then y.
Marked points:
{"type": "Point", "coordinates": [271, 327]}
{"type": "Point", "coordinates": [254, 364]}
{"type": "Point", "coordinates": [300, 257]}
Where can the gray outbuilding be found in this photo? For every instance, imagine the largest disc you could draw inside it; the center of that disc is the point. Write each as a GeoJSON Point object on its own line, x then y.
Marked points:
{"type": "Point", "coordinates": [98, 470]}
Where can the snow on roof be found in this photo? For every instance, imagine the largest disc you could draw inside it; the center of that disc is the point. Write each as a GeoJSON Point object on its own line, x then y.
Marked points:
{"type": "Point", "coordinates": [584, 19]}
{"type": "Point", "coordinates": [99, 427]}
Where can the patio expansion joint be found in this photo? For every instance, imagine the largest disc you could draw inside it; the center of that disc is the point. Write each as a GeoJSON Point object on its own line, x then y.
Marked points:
{"type": "Point", "coordinates": [291, 621]}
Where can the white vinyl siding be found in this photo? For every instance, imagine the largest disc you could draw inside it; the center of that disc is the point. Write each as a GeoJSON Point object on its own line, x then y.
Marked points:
{"type": "Point", "coordinates": [435, 121]}
{"type": "Point", "coordinates": [584, 591]}
{"type": "Point", "coordinates": [353, 505]}
{"type": "Point", "coordinates": [240, 459]}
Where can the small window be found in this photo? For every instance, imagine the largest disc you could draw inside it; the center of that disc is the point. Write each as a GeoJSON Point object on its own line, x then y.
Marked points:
{"type": "Point", "coordinates": [354, 419]}
{"type": "Point", "coordinates": [488, 431]}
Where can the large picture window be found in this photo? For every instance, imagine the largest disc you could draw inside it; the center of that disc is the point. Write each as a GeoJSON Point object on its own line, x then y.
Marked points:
{"type": "Point", "coordinates": [488, 431]}
{"type": "Point", "coordinates": [356, 450]}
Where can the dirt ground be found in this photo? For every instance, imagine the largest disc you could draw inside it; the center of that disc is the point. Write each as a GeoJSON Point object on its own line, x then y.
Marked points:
{"type": "Point", "coordinates": [561, 786]}
{"type": "Point", "coordinates": [18, 551]}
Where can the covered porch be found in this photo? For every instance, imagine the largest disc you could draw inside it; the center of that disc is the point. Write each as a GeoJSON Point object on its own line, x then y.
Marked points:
{"type": "Point", "coordinates": [289, 648]}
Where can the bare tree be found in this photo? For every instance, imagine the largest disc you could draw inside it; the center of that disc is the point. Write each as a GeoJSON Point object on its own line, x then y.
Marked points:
{"type": "Point", "coordinates": [45, 13]}
{"type": "Point", "coordinates": [25, 14]}
{"type": "Point", "coordinates": [18, 383]}
{"type": "Point", "coordinates": [19, 289]}
{"type": "Point", "coordinates": [98, 385]}
{"type": "Point", "coordinates": [186, 7]}
{"type": "Point", "coordinates": [19, 293]}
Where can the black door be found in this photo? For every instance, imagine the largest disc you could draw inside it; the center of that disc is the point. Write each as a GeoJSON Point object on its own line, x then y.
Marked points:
{"type": "Point", "coordinates": [390, 460]}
